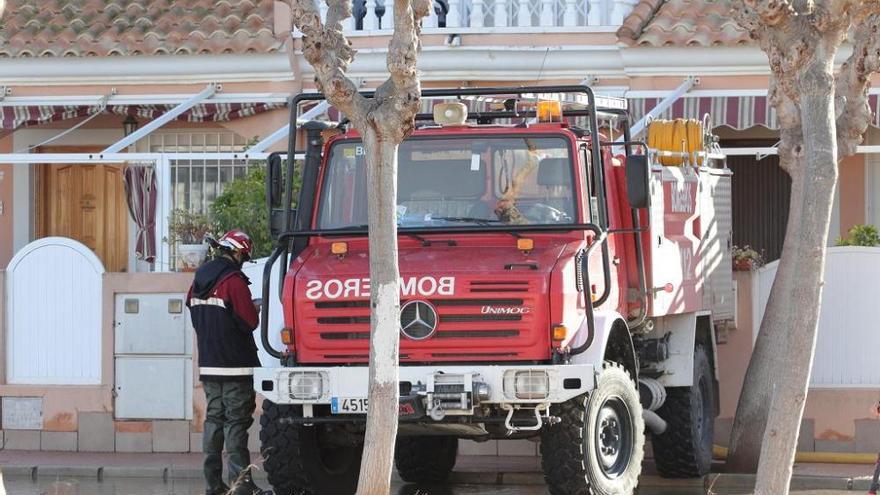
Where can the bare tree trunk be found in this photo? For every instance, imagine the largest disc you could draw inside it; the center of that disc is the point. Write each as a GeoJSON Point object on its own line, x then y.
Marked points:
{"type": "Point", "coordinates": [802, 312]}
{"type": "Point", "coordinates": [753, 407]}
{"type": "Point", "coordinates": [375, 474]}
{"type": "Point", "coordinates": [383, 122]}
{"type": "Point", "coordinates": [801, 39]}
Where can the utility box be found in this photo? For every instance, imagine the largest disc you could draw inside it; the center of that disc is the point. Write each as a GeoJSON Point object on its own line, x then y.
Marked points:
{"type": "Point", "coordinates": [153, 357]}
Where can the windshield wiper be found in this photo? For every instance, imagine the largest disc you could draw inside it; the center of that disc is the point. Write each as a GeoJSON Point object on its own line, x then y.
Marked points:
{"type": "Point", "coordinates": [478, 221]}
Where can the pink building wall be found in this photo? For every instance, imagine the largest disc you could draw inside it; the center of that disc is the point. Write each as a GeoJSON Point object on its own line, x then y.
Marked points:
{"type": "Point", "coordinates": [834, 420]}
{"type": "Point", "coordinates": [6, 217]}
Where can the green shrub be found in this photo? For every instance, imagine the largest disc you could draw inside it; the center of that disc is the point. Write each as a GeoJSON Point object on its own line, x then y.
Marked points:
{"type": "Point", "coordinates": [861, 235]}
{"type": "Point", "coordinates": [242, 205]}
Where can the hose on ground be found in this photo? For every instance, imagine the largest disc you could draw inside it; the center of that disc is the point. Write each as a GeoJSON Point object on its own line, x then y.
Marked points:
{"type": "Point", "coordinates": [720, 453]}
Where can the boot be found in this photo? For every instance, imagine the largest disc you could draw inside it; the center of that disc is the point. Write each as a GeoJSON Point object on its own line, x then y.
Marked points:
{"type": "Point", "coordinates": [219, 490]}
{"type": "Point", "coordinates": [245, 485]}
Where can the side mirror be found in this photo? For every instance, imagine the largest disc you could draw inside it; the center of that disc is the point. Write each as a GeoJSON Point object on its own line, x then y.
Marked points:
{"type": "Point", "coordinates": [638, 189]}
{"type": "Point", "coordinates": [276, 221]}
{"type": "Point", "coordinates": [274, 182]}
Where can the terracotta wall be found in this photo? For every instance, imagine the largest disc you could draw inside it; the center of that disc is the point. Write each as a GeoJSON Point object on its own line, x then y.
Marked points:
{"type": "Point", "coordinates": [851, 184]}
{"type": "Point", "coordinates": [2, 327]}
{"type": "Point", "coordinates": [6, 217]}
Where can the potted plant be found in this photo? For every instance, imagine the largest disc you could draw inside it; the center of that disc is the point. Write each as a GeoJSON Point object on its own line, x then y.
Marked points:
{"type": "Point", "coordinates": [861, 235]}
{"type": "Point", "coordinates": [187, 231]}
{"type": "Point", "coordinates": [746, 259]}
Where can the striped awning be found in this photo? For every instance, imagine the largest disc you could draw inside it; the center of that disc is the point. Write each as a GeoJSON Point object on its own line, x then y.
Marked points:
{"type": "Point", "coordinates": [25, 116]}
{"type": "Point", "coordinates": [738, 112]}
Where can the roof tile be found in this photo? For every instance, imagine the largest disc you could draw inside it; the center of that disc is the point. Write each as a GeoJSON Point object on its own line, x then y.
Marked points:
{"type": "Point", "coordinates": [65, 28]}
{"type": "Point", "coordinates": [682, 23]}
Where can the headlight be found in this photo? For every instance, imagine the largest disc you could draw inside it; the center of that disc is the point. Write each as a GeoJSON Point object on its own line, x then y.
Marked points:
{"type": "Point", "coordinates": [527, 384]}
{"type": "Point", "coordinates": [306, 385]}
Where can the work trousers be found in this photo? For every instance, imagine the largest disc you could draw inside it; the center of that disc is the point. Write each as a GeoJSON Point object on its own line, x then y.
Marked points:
{"type": "Point", "coordinates": [228, 416]}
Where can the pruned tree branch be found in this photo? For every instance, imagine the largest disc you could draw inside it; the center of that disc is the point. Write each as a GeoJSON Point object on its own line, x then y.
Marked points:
{"type": "Point", "coordinates": [327, 49]}
{"type": "Point", "coordinates": [854, 79]}
{"type": "Point", "coordinates": [768, 12]}
{"type": "Point", "coordinates": [329, 52]}
{"type": "Point", "coordinates": [789, 118]}
{"type": "Point", "coordinates": [398, 97]}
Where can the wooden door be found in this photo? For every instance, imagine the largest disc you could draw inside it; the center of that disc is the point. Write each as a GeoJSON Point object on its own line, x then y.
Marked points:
{"type": "Point", "coordinates": [85, 202]}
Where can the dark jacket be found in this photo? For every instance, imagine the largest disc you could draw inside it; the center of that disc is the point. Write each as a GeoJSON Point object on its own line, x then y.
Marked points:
{"type": "Point", "coordinates": [224, 318]}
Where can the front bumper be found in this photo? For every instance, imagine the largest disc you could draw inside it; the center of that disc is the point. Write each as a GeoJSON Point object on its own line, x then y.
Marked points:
{"type": "Point", "coordinates": [500, 385]}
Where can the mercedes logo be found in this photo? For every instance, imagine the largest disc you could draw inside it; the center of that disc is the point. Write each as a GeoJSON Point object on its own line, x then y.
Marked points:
{"type": "Point", "coordinates": [418, 320]}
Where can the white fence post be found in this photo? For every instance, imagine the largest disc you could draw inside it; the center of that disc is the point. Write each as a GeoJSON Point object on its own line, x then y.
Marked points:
{"type": "Point", "coordinates": [570, 18]}
{"type": "Point", "coordinates": [453, 16]}
{"type": "Point", "coordinates": [594, 16]}
{"type": "Point", "coordinates": [370, 19]}
{"type": "Point", "coordinates": [622, 8]}
{"type": "Point", "coordinates": [477, 13]}
{"type": "Point", "coordinates": [547, 17]}
{"type": "Point", "coordinates": [163, 210]}
{"type": "Point", "coordinates": [524, 14]}
{"type": "Point", "coordinates": [388, 16]}
{"type": "Point", "coordinates": [500, 14]}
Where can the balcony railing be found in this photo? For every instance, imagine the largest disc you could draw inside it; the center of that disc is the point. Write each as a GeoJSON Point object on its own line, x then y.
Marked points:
{"type": "Point", "coordinates": [506, 15]}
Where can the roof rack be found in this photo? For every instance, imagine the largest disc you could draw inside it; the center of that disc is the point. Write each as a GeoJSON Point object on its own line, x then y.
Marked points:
{"type": "Point", "coordinates": [516, 102]}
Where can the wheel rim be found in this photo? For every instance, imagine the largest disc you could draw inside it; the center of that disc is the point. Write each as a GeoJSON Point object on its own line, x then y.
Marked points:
{"type": "Point", "coordinates": [614, 437]}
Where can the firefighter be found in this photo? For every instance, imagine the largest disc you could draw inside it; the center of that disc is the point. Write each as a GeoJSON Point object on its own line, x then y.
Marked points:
{"type": "Point", "coordinates": [224, 317]}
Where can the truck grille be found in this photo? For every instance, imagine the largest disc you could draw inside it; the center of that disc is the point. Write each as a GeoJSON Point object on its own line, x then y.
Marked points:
{"type": "Point", "coordinates": [488, 320]}
{"type": "Point", "coordinates": [450, 311]}
{"type": "Point", "coordinates": [500, 286]}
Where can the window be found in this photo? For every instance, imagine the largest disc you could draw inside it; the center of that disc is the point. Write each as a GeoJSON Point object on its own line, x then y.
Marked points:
{"type": "Point", "coordinates": [458, 181]}
{"type": "Point", "coordinates": [197, 182]}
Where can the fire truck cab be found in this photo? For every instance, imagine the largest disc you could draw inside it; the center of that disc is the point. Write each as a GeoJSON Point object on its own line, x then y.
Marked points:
{"type": "Point", "coordinates": [559, 281]}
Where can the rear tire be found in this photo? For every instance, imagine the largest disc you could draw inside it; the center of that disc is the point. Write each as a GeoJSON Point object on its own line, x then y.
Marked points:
{"type": "Point", "coordinates": [427, 459]}
{"type": "Point", "coordinates": [298, 460]}
{"type": "Point", "coordinates": [598, 446]}
{"type": "Point", "coordinates": [684, 450]}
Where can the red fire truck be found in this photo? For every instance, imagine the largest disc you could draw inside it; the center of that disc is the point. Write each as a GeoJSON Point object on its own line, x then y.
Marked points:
{"type": "Point", "coordinates": [558, 282]}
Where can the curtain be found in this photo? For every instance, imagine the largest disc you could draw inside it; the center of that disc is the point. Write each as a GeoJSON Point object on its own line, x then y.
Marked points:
{"type": "Point", "coordinates": [141, 196]}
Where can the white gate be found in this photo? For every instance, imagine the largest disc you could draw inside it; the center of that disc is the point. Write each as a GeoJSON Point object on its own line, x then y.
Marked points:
{"type": "Point", "coordinates": [53, 288]}
{"type": "Point", "coordinates": [848, 331]}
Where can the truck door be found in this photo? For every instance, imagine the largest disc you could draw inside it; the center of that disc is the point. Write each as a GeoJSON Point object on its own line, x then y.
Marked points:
{"type": "Point", "coordinates": [675, 236]}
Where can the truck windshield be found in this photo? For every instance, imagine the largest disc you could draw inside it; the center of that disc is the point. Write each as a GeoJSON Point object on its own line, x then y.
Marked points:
{"type": "Point", "coordinates": [457, 181]}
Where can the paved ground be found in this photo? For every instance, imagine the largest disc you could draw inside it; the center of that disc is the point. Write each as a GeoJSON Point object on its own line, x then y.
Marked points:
{"type": "Point", "coordinates": [58, 473]}
{"type": "Point", "coordinates": [129, 486]}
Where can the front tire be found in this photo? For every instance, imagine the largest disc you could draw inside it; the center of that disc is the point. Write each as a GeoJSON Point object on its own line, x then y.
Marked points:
{"type": "Point", "coordinates": [684, 450]}
{"type": "Point", "coordinates": [427, 459]}
{"type": "Point", "coordinates": [598, 446]}
{"type": "Point", "coordinates": [300, 460]}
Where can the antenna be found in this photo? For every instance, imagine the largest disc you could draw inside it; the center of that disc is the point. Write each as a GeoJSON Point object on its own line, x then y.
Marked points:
{"type": "Point", "coordinates": [541, 72]}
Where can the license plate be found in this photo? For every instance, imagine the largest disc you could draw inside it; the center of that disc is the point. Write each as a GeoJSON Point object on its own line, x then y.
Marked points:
{"type": "Point", "coordinates": [340, 405]}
